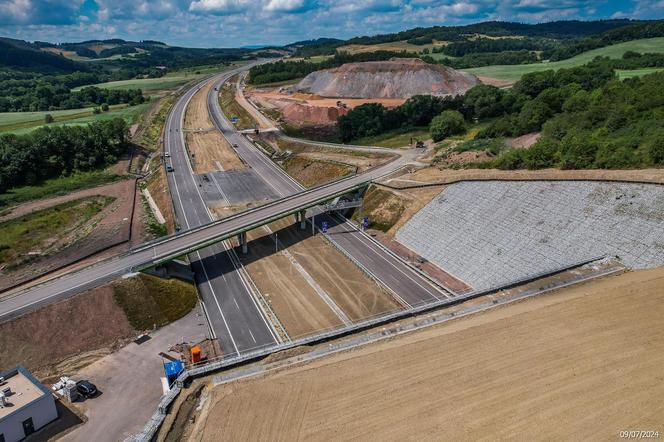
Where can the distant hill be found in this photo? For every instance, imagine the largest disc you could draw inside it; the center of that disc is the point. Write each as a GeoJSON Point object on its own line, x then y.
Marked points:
{"type": "Point", "coordinates": [536, 37]}
{"type": "Point", "coordinates": [69, 57]}
{"type": "Point", "coordinates": [22, 55]}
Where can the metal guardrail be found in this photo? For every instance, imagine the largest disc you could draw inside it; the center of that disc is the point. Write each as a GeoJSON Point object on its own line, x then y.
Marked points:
{"type": "Point", "coordinates": [156, 420]}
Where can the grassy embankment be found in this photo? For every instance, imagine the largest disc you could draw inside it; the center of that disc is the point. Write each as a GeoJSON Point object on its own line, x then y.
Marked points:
{"type": "Point", "coordinates": [514, 72]}
{"type": "Point", "coordinates": [395, 138]}
{"type": "Point", "coordinates": [42, 230]}
{"type": "Point", "coordinates": [232, 108]}
{"type": "Point", "coordinates": [151, 302]}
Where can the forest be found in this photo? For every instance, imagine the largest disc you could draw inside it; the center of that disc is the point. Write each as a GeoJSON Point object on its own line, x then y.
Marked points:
{"type": "Point", "coordinates": [587, 116]}
{"type": "Point", "coordinates": [50, 152]}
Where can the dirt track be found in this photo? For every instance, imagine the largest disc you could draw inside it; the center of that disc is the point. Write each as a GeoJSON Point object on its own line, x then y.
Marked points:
{"type": "Point", "coordinates": [447, 176]}
{"type": "Point", "coordinates": [581, 363]}
{"type": "Point", "coordinates": [210, 149]}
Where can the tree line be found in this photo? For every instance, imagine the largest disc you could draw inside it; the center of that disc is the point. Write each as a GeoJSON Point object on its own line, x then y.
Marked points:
{"type": "Point", "coordinates": [588, 118]}
{"type": "Point", "coordinates": [612, 125]}
{"type": "Point", "coordinates": [289, 70]}
{"type": "Point", "coordinates": [46, 97]}
{"type": "Point", "coordinates": [49, 152]}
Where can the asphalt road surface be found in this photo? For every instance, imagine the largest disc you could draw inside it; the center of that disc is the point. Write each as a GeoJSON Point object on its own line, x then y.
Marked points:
{"type": "Point", "coordinates": [409, 285]}
{"type": "Point", "coordinates": [235, 317]}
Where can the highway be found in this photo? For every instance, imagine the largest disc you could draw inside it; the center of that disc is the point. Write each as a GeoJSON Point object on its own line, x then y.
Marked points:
{"type": "Point", "coordinates": [189, 241]}
{"type": "Point", "coordinates": [225, 289]}
{"type": "Point", "coordinates": [401, 279]}
{"type": "Point", "coordinates": [235, 317]}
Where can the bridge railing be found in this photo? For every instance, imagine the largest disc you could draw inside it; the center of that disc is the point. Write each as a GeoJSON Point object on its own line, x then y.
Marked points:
{"type": "Point", "coordinates": [244, 213]}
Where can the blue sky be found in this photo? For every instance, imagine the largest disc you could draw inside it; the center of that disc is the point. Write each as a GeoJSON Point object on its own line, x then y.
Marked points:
{"type": "Point", "coordinates": [232, 23]}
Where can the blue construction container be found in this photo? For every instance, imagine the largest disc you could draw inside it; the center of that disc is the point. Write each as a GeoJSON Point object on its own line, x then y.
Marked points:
{"type": "Point", "coordinates": [172, 370]}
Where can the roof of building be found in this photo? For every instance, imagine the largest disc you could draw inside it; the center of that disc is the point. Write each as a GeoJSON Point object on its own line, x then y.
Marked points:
{"type": "Point", "coordinates": [25, 389]}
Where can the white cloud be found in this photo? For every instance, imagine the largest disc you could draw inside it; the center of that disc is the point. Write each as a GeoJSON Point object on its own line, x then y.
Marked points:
{"type": "Point", "coordinates": [288, 5]}
{"type": "Point", "coordinates": [220, 6]}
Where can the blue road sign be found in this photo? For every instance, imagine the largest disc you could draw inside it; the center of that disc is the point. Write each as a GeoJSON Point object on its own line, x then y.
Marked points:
{"type": "Point", "coordinates": [324, 226]}
{"type": "Point", "coordinates": [234, 120]}
{"type": "Point", "coordinates": [365, 222]}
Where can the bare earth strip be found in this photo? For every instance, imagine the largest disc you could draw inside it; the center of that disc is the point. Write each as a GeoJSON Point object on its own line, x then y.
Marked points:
{"type": "Point", "coordinates": [432, 175]}
{"type": "Point", "coordinates": [580, 363]}
{"type": "Point", "coordinates": [292, 298]}
{"type": "Point", "coordinates": [208, 146]}
{"type": "Point", "coordinates": [357, 295]}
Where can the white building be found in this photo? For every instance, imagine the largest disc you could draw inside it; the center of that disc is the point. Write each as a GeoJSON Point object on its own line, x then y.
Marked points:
{"type": "Point", "coordinates": [25, 405]}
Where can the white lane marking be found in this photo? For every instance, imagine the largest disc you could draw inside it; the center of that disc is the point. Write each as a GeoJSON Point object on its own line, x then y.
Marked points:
{"type": "Point", "coordinates": [281, 173]}
{"type": "Point", "coordinates": [214, 295]}
{"type": "Point", "coordinates": [246, 286]}
{"type": "Point", "coordinates": [236, 306]}
{"type": "Point", "coordinates": [252, 335]}
{"type": "Point", "coordinates": [216, 183]}
{"type": "Point", "coordinates": [371, 246]}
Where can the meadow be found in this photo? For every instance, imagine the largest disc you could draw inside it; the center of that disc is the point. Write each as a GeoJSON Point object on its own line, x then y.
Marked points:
{"type": "Point", "coordinates": [514, 72]}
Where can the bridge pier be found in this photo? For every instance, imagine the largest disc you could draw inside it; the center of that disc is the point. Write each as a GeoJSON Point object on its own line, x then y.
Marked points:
{"type": "Point", "coordinates": [242, 239]}
{"type": "Point", "coordinates": [303, 219]}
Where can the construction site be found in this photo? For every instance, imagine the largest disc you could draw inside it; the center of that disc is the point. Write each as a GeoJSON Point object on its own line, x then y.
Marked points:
{"type": "Point", "coordinates": [368, 298]}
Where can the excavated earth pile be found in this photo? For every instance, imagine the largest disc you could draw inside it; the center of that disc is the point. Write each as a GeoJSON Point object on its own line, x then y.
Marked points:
{"type": "Point", "coordinates": [396, 78]}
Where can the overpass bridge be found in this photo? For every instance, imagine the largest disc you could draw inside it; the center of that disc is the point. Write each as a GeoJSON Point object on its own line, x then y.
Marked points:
{"type": "Point", "coordinates": [165, 249]}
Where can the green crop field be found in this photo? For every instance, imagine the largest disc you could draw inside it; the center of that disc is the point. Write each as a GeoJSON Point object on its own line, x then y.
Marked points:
{"type": "Point", "coordinates": [637, 72]}
{"type": "Point", "coordinates": [514, 72]}
{"type": "Point", "coordinates": [23, 122]}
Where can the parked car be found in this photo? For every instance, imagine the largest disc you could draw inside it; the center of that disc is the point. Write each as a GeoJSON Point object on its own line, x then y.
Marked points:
{"type": "Point", "coordinates": [169, 168]}
{"type": "Point", "coordinates": [86, 388]}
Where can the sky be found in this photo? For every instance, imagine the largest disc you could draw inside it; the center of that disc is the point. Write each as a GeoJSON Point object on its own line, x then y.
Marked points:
{"type": "Point", "coordinates": [235, 23]}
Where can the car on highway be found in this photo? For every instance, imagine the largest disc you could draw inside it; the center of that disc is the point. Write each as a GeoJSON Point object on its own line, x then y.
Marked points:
{"type": "Point", "coordinates": [86, 388]}
{"type": "Point", "coordinates": [169, 168]}
{"type": "Point", "coordinates": [234, 146]}
{"type": "Point", "coordinates": [167, 154]}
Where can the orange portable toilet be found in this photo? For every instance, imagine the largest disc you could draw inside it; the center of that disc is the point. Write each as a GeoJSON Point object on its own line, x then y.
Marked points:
{"type": "Point", "coordinates": [195, 354]}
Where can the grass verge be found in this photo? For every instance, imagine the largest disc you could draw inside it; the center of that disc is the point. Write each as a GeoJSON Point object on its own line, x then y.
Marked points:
{"type": "Point", "coordinates": [396, 138]}
{"type": "Point", "coordinates": [150, 302]}
{"type": "Point", "coordinates": [383, 208]}
{"type": "Point", "coordinates": [316, 172]}
{"type": "Point", "coordinates": [232, 108]}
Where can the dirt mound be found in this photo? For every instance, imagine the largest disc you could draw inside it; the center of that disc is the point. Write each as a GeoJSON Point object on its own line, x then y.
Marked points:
{"type": "Point", "coordinates": [299, 112]}
{"type": "Point", "coordinates": [396, 78]}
